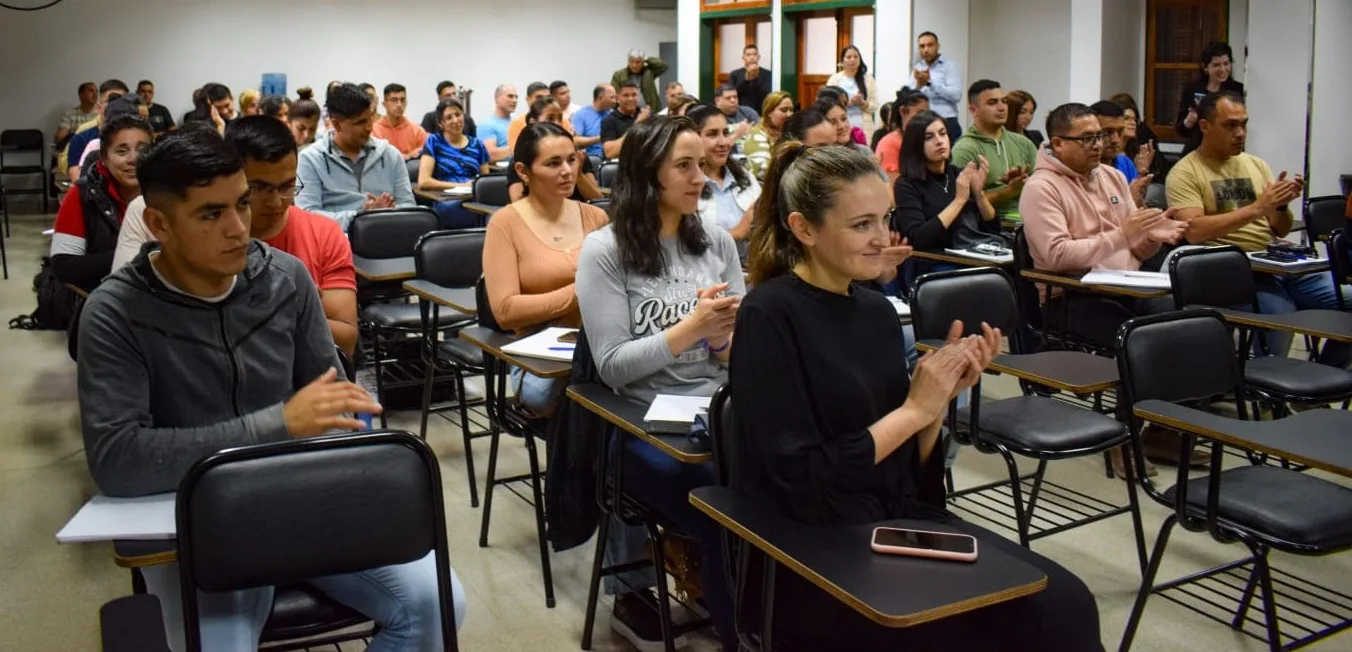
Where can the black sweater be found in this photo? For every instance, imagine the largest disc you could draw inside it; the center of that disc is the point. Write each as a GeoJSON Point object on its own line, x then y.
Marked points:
{"type": "Point", "coordinates": [1191, 97]}
{"type": "Point", "coordinates": [812, 370]}
{"type": "Point", "coordinates": [919, 203]}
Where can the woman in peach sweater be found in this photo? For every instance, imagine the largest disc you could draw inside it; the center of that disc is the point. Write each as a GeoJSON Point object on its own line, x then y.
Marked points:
{"type": "Point", "coordinates": [532, 246]}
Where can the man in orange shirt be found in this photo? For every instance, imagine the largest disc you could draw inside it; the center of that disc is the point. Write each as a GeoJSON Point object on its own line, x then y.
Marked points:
{"type": "Point", "coordinates": [394, 128]}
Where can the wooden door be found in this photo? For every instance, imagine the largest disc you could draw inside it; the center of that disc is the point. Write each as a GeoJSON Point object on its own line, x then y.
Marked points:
{"type": "Point", "coordinates": [821, 37]}
{"type": "Point", "coordinates": [1176, 32]}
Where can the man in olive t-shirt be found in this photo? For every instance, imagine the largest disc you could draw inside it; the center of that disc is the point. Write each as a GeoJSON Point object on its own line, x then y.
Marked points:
{"type": "Point", "coordinates": [1229, 196]}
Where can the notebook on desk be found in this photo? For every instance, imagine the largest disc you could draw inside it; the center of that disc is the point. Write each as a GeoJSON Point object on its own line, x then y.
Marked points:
{"type": "Point", "coordinates": [672, 414]}
{"type": "Point", "coordinates": [903, 309]}
{"type": "Point", "coordinates": [458, 191]}
{"type": "Point", "coordinates": [554, 343]}
{"type": "Point", "coordinates": [108, 519]}
{"type": "Point", "coordinates": [1264, 259]}
{"type": "Point", "coordinates": [1151, 280]}
{"type": "Point", "coordinates": [979, 255]}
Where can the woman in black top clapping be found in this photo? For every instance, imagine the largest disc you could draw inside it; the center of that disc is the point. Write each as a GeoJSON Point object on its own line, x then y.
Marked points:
{"type": "Point", "coordinates": [1217, 62]}
{"type": "Point", "coordinates": [939, 206]}
{"type": "Point", "coordinates": [832, 431]}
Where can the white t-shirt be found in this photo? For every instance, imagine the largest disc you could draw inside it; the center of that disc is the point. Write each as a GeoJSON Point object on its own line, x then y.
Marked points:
{"type": "Point", "coordinates": [133, 233]}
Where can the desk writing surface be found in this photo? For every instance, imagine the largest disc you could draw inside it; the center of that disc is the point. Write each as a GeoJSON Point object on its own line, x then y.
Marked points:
{"type": "Point", "coordinates": [1073, 281]}
{"type": "Point", "coordinates": [481, 208]}
{"type": "Point", "coordinates": [492, 341]}
{"type": "Point", "coordinates": [1333, 325]}
{"type": "Point", "coordinates": [1071, 371]}
{"type": "Point", "coordinates": [891, 590]}
{"type": "Point", "coordinates": [384, 269]}
{"type": "Point", "coordinates": [461, 299]}
{"type": "Point", "coordinates": [958, 259]}
{"type": "Point", "coordinates": [1321, 439]}
{"type": "Point", "coordinates": [628, 416]}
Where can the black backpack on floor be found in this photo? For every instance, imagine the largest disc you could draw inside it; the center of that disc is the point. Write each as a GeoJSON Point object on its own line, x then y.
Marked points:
{"type": "Point", "coordinates": [57, 304]}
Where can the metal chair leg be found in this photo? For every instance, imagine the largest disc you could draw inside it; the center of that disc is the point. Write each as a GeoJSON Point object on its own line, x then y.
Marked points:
{"type": "Point", "coordinates": [1147, 583]}
{"type": "Point", "coordinates": [1274, 626]}
{"type": "Point", "coordinates": [1129, 470]}
{"type": "Point", "coordinates": [380, 372]}
{"type": "Point", "coordinates": [488, 487]}
{"type": "Point", "coordinates": [1016, 489]}
{"type": "Point", "coordinates": [663, 594]}
{"type": "Point", "coordinates": [594, 586]}
{"type": "Point", "coordinates": [429, 358]}
{"type": "Point", "coordinates": [466, 436]}
{"type": "Point", "coordinates": [539, 504]}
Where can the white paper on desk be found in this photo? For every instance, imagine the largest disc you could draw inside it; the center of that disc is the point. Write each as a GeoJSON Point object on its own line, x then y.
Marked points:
{"type": "Point", "coordinates": [1152, 280]}
{"type": "Point", "coordinates": [541, 345]}
{"type": "Point", "coordinates": [1256, 258]}
{"type": "Point", "coordinates": [903, 309]}
{"type": "Point", "coordinates": [676, 409]}
{"type": "Point", "coordinates": [458, 190]}
{"type": "Point", "coordinates": [106, 519]}
{"type": "Point", "coordinates": [1007, 258]}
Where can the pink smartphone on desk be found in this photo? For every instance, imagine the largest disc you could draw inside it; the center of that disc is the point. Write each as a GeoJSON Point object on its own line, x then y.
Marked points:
{"type": "Point", "coordinates": [921, 543]}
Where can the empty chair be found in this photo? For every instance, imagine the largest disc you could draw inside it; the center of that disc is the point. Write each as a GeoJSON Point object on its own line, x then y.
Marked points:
{"type": "Point", "coordinates": [19, 144]}
{"type": "Point", "coordinates": [606, 178]}
{"type": "Point", "coordinates": [1324, 215]}
{"type": "Point", "coordinates": [491, 190]}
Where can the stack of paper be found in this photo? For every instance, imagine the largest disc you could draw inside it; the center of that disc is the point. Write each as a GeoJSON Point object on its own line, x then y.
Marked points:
{"type": "Point", "coordinates": [903, 309]}
{"type": "Point", "coordinates": [676, 409]}
{"type": "Point", "coordinates": [544, 344]}
{"type": "Point", "coordinates": [1007, 258]}
{"type": "Point", "coordinates": [458, 191]}
{"type": "Point", "coordinates": [1151, 280]}
{"type": "Point", "coordinates": [107, 519]}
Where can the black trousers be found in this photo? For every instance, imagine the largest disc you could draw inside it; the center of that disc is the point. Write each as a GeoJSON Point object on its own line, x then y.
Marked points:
{"type": "Point", "coordinates": [1062, 618]}
{"type": "Point", "coordinates": [1095, 318]}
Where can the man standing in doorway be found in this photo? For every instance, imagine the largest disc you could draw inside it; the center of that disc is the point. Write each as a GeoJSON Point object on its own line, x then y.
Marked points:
{"type": "Point", "coordinates": [752, 81]}
{"type": "Point", "coordinates": [940, 80]}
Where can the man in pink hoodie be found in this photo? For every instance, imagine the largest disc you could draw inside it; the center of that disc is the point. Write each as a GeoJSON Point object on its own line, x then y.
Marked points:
{"type": "Point", "coordinates": [1079, 215]}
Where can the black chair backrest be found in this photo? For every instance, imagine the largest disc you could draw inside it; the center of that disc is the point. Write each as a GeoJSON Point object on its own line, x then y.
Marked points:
{"type": "Point", "coordinates": [349, 369]}
{"type": "Point", "coordinates": [1213, 276]}
{"type": "Point", "coordinates": [413, 168]}
{"type": "Point", "coordinates": [1324, 215]}
{"type": "Point", "coordinates": [1177, 356]}
{"type": "Point", "coordinates": [390, 232]}
{"type": "Point", "coordinates": [606, 177]}
{"type": "Point", "coordinates": [721, 434]}
{"type": "Point", "coordinates": [1338, 256]}
{"type": "Point", "coordinates": [1345, 184]}
{"type": "Point", "coordinates": [453, 259]}
{"type": "Point", "coordinates": [485, 309]}
{"type": "Point", "coordinates": [973, 295]}
{"type": "Point", "coordinates": [595, 163]}
{"type": "Point", "coordinates": [491, 189]}
{"type": "Point", "coordinates": [1030, 306]}
{"type": "Point", "coordinates": [22, 139]}
{"type": "Point", "coordinates": [286, 512]}
{"type": "Point", "coordinates": [602, 203]}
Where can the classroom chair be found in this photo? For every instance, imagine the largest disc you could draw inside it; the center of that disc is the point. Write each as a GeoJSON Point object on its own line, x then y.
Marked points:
{"type": "Point", "coordinates": [605, 178]}
{"type": "Point", "coordinates": [1189, 357]}
{"type": "Point", "coordinates": [281, 513]}
{"type": "Point", "coordinates": [23, 143]}
{"type": "Point", "coordinates": [491, 190]}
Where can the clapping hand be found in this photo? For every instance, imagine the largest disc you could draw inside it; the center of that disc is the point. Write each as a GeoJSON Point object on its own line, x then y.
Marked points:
{"type": "Point", "coordinates": [1138, 188]}
{"type": "Point", "coordinates": [1167, 230]}
{"type": "Point", "coordinates": [1145, 157]}
{"type": "Point", "coordinates": [1014, 177]}
{"type": "Point", "coordinates": [897, 252]}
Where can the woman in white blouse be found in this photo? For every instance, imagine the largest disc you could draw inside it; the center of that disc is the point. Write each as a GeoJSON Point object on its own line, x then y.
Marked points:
{"type": "Point", "coordinates": [860, 91]}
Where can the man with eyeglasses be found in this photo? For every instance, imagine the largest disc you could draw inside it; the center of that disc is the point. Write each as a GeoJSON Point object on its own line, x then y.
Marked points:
{"type": "Point", "coordinates": [269, 153]}
{"type": "Point", "coordinates": [1011, 156]}
{"type": "Point", "coordinates": [1113, 120]}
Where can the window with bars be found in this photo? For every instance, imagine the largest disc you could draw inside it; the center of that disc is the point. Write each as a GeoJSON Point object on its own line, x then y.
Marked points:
{"type": "Point", "coordinates": [1176, 32]}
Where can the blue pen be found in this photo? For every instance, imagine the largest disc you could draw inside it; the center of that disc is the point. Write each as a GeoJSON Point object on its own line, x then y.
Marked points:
{"type": "Point", "coordinates": [560, 348]}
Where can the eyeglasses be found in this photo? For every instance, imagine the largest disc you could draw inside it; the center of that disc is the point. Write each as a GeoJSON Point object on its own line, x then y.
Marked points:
{"type": "Point", "coordinates": [1089, 140]}
{"type": "Point", "coordinates": [287, 191]}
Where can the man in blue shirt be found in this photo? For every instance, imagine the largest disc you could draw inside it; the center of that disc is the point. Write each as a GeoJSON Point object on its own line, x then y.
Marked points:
{"type": "Point", "coordinates": [587, 120]}
{"type": "Point", "coordinates": [941, 81]}
{"type": "Point", "coordinates": [493, 129]}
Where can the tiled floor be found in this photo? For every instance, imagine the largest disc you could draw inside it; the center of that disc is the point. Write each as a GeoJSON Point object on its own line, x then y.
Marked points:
{"type": "Point", "coordinates": [50, 593]}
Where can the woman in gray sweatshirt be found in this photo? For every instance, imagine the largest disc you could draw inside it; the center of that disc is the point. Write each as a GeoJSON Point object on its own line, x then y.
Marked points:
{"type": "Point", "coordinates": [659, 293]}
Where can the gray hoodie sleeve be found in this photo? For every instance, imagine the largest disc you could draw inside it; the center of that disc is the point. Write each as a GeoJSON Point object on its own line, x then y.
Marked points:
{"type": "Point", "coordinates": [315, 351]}
{"type": "Point", "coordinates": [310, 197]}
{"type": "Point", "coordinates": [604, 301]}
{"type": "Point", "coordinates": [127, 454]}
{"type": "Point", "coordinates": [403, 189]}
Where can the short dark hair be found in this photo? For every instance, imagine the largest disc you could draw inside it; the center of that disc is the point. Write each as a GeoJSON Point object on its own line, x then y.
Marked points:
{"type": "Point", "coordinates": [120, 124]}
{"type": "Point", "coordinates": [144, 82]}
{"type": "Point", "coordinates": [271, 106]}
{"type": "Point", "coordinates": [445, 85]}
{"type": "Point", "coordinates": [394, 88]}
{"type": "Point", "coordinates": [1106, 109]}
{"type": "Point", "coordinates": [347, 101]}
{"type": "Point", "coordinates": [556, 85]}
{"type": "Point", "coordinates": [216, 92]}
{"type": "Point", "coordinates": [795, 128]}
{"type": "Point", "coordinates": [599, 91]}
{"type": "Point", "coordinates": [929, 34]}
{"type": "Point", "coordinates": [628, 83]}
{"type": "Point", "coordinates": [1217, 49]}
{"type": "Point", "coordinates": [535, 87]}
{"type": "Point", "coordinates": [88, 84]}
{"type": "Point", "coordinates": [123, 105]}
{"type": "Point", "coordinates": [980, 86]}
{"type": "Point", "coordinates": [184, 159]}
{"type": "Point", "coordinates": [725, 88]}
{"type": "Point", "coordinates": [749, 46]}
{"type": "Point", "coordinates": [260, 138]}
{"type": "Point", "coordinates": [367, 86]}
{"type": "Point", "coordinates": [1060, 118]}
{"type": "Point", "coordinates": [113, 85]}
{"type": "Point", "coordinates": [1206, 109]}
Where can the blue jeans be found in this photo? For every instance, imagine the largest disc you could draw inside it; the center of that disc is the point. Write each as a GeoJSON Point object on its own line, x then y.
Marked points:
{"type": "Point", "coordinates": [454, 215]}
{"type": "Point", "coordinates": [535, 393]}
{"type": "Point", "coordinates": [1282, 294]}
{"type": "Point", "coordinates": [401, 599]}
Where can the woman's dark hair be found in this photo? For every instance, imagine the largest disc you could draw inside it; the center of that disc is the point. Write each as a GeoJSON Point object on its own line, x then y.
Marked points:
{"type": "Point", "coordinates": [798, 124]}
{"type": "Point", "coordinates": [527, 146]}
{"type": "Point", "coordinates": [1016, 100]}
{"type": "Point", "coordinates": [305, 93]}
{"type": "Point", "coordinates": [887, 114]}
{"type": "Point", "coordinates": [347, 101]}
{"type": "Point", "coordinates": [118, 125]}
{"type": "Point", "coordinates": [637, 194]}
{"type": "Point", "coordinates": [914, 165]}
{"type": "Point", "coordinates": [260, 138]}
{"type": "Point", "coordinates": [1216, 49]}
{"type": "Point", "coordinates": [446, 104]}
{"type": "Point", "coordinates": [907, 97]}
{"type": "Point", "coordinates": [304, 109]}
{"type": "Point", "coordinates": [858, 74]}
{"type": "Point", "coordinates": [800, 179]}
{"type": "Point", "coordinates": [1128, 103]}
{"type": "Point", "coordinates": [271, 106]}
{"type": "Point", "coordinates": [538, 107]}
{"type": "Point", "coordinates": [702, 113]}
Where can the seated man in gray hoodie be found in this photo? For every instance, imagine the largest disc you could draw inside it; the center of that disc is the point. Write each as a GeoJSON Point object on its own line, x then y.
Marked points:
{"type": "Point", "coordinates": [208, 340]}
{"type": "Point", "coordinates": [347, 171]}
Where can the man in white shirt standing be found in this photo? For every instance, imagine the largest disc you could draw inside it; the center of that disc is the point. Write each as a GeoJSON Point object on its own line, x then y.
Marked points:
{"type": "Point", "coordinates": [940, 80]}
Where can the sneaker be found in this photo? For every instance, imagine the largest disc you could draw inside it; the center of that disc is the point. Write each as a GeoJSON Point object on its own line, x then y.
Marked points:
{"type": "Point", "coordinates": [638, 622]}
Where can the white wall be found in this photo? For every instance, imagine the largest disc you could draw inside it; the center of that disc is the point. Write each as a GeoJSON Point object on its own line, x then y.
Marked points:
{"type": "Point", "coordinates": [1024, 45]}
{"type": "Point", "coordinates": [1330, 131]}
{"type": "Point", "coordinates": [1239, 36]}
{"type": "Point", "coordinates": [1278, 69]}
{"type": "Point", "coordinates": [1086, 51]}
{"type": "Point", "coordinates": [1123, 49]}
{"type": "Point", "coordinates": [894, 49]}
{"type": "Point", "coordinates": [181, 44]}
{"type": "Point", "coordinates": [687, 44]}
{"type": "Point", "coordinates": [951, 21]}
